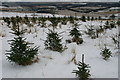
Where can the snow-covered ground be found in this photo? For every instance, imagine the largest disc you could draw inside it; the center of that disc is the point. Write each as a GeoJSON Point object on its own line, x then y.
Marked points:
{"type": "Point", "coordinates": [14, 14]}
{"type": "Point", "coordinates": [58, 66]}
{"type": "Point", "coordinates": [0, 57]}
{"type": "Point", "coordinates": [0, 51]}
{"type": "Point", "coordinates": [112, 8]}
{"type": "Point", "coordinates": [2, 6]}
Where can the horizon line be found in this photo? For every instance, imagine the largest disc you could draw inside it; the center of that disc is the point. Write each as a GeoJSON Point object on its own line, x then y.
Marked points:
{"type": "Point", "coordinates": [62, 1]}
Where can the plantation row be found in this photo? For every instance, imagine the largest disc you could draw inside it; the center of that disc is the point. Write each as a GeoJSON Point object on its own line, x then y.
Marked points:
{"type": "Point", "coordinates": [30, 21]}
{"type": "Point", "coordinates": [23, 54]}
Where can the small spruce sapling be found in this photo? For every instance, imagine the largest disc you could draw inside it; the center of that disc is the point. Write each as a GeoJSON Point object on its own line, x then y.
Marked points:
{"type": "Point", "coordinates": [21, 52]}
{"type": "Point", "coordinates": [88, 18]}
{"type": "Point", "coordinates": [64, 20]}
{"type": "Point", "coordinates": [99, 18]}
{"type": "Point", "coordinates": [83, 72]}
{"type": "Point", "coordinates": [75, 33]}
{"type": "Point", "coordinates": [118, 22]}
{"type": "Point", "coordinates": [53, 41]}
{"type": "Point", "coordinates": [106, 26]}
{"type": "Point", "coordinates": [112, 24]}
{"type": "Point", "coordinates": [43, 24]}
{"type": "Point", "coordinates": [91, 32]}
{"type": "Point", "coordinates": [106, 53]}
{"type": "Point", "coordinates": [83, 18]}
{"type": "Point", "coordinates": [7, 20]}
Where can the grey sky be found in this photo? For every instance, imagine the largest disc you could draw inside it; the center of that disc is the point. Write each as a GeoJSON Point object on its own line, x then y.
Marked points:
{"type": "Point", "coordinates": [59, 0]}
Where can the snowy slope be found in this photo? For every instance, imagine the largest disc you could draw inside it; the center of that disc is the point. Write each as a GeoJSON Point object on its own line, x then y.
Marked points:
{"type": "Point", "coordinates": [58, 66]}
{"type": "Point", "coordinates": [14, 14]}
{"type": "Point", "coordinates": [3, 7]}
{"type": "Point", "coordinates": [0, 51]}
{"type": "Point", "coordinates": [0, 57]}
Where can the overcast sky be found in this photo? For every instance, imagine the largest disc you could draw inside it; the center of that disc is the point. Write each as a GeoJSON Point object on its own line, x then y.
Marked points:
{"type": "Point", "coordinates": [58, 0]}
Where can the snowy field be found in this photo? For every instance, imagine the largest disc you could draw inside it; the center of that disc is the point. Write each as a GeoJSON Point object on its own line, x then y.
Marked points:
{"type": "Point", "coordinates": [14, 14]}
{"type": "Point", "coordinates": [54, 64]}
{"type": "Point", "coordinates": [0, 57]}
{"type": "Point", "coordinates": [0, 51]}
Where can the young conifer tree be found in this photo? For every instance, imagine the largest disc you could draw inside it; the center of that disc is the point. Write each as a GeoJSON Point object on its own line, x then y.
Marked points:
{"type": "Point", "coordinates": [53, 41]}
{"type": "Point", "coordinates": [7, 20]}
{"type": "Point", "coordinates": [83, 72]}
{"type": "Point", "coordinates": [20, 51]}
{"type": "Point", "coordinates": [75, 33]}
{"type": "Point", "coordinates": [88, 18]}
{"type": "Point", "coordinates": [83, 18]}
{"type": "Point", "coordinates": [106, 53]}
{"type": "Point", "coordinates": [118, 22]}
{"type": "Point", "coordinates": [112, 24]}
{"type": "Point", "coordinates": [107, 25]}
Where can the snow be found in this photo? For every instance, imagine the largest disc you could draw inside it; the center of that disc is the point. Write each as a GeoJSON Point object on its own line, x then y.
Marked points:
{"type": "Point", "coordinates": [0, 51]}
{"type": "Point", "coordinates": [14, 14]}
{"type": "Point", "coordinates": [54, 64]}
{"type": "Point", "coordinates": [3, 7]}
{"type": "Point", "coordinates": [1, 58]}
{"type": "Point", "coordinates": [114, 8]}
